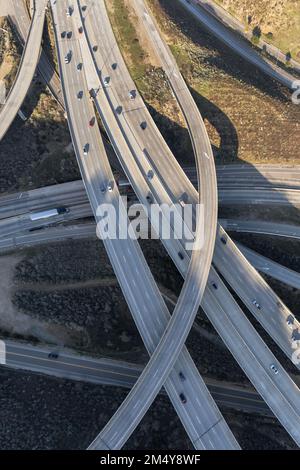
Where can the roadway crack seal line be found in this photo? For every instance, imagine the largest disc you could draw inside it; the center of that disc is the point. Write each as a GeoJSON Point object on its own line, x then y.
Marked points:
{"type": "Point", "coordinates": [194, 261]}
{"type": "Point", "coordinates": [209, 429]}
{"type": "Point", "coordinates": [248, 266]}
{"type": "Point", "coordinates": [77, 149]}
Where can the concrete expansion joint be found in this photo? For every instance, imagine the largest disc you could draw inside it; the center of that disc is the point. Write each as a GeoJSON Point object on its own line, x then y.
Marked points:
{"type": "Point", "coordinates": [126, 111]}
{"type": "Point", "coordinates": [205, 432]}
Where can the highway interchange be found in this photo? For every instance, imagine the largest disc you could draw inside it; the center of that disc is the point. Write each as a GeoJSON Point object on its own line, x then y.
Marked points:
{"type": "Point", "coordinates": [139, 151]}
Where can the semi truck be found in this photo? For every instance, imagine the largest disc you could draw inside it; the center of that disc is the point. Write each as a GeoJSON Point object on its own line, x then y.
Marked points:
{"type": "Point", "coordinates": [48, 213]}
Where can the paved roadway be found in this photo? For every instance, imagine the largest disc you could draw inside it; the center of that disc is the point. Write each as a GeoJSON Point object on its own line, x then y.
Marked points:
{"type": "Point", "coordinates": [5, 9]}
{"type": "Point", "coordinates": [238, 44]}
{"type": "Point", "coordinates": [294, 427]}
{"type": "Point", "coordinates": [271, 268]}
{"type": "Point", "coordinates": [21, 19]}
{"type": "Point", "coordinates": [126, 255]}
{"type": "Point", "coordinates": [225, 17]}
{"type": "Point", "coordinates": [262, 227]}
{"type": "Point", "coordinates": [108, 433]}
{"type": "Point", "coordinates": [88, 230]}
{"type": "Point", "coordinates": [271, 180]}
{"type": "Point", "coordinates": [26, 69]}
{"type": "Point", "coordinates": [21, 223]}
{"type": "Point", "coordinates": [242, 277]}
{"type": "Point", "coordinates": [70, 365]}
{"type": "Point", "coordinates": [112, 48]}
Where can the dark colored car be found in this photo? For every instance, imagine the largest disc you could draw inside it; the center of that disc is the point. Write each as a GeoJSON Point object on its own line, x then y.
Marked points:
{"type": "Point", "coordinates": [95, 48]}
{"type": "Point", "coordinates": [214, 285]}
{"type": "Point", "coordinates": [92, 121]}
{"type": "Point", "coordinates": [182, 376]}
{"type": "Point", "coordinates": [182, 397]}
{"type": "Point", "coordinates": [114, 66]}
{"type": "Point", "coordinates": [149, 198]}
{"type": "Point", "coordinates": [69, 34]}
{"type": "Point", "coordinates": [62, 210]}
{"type": "Point", "coordinates": [223, 240]}
{"type": "Point", "coordinates": [63, 34]}
{"type": "Point", "coordinates": [181, 256]}
{"type": "Point", "coordinates": [80, 30]}
{"type": "Point", "coordinates": [53, 355]}
{"type": "Point", "coordinates": [143, 125]}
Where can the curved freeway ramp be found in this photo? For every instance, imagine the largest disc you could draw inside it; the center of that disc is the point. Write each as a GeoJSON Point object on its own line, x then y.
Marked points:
{"type": "Point", "coordinates": [21, 20]}
{"type": "Point", "coordinates": [26, 69]}
{"type": "Point", "coordinates": [238, 45]}
{"type": "Point", "coordinates": [260, 374]}
{"type": "Point", "coordinates": [168, 350]}
{"type": "Point", "coordinates": [141, 293]}
{"type": "Point", "coordinates": [238, 272]}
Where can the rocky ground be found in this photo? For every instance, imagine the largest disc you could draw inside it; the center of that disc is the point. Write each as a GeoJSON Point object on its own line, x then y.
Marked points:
{"type": "Point", "coordinates": [39, 412]}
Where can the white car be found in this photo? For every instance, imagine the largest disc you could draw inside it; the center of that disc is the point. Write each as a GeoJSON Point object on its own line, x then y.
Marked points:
{"type": "Point", "coordinates": [86, 149]}
{"type": "Point", "coordinates": [257, 305]}
{"type": "Point", "coordinates": [110, 186]}
{"type": "Point", "coordinates": [274, 369]}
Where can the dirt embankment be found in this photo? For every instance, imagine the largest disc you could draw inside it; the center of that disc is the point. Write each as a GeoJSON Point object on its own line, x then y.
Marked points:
{"type": "Point", "coordinates": [9, 57]}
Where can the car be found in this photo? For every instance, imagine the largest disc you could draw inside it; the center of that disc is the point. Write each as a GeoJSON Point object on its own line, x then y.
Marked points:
{"type": "Point", "coordinates": [149, 198]}
{"type": "Point", "coordinates": [257, 305]}
{"type": "Point", "coordinates": [181, 376]}
{"type": "Point", "coordinates": [69, 34]}
{"type": "Point", "coordinates": [92, 121]}
{"type": "Point", "coordinates": [132, 94]}
{"type": "Point", "coordinates": [80, 30]}
{"type": "Point", "coordinates": [34, 229]}
{"type": "Point", "coordinates": [183, 200]}
{"type": "Point", "coordinates": [86, 149]}
{"type": "Point", "coordinates": [69, 11]}
{"type": "Point", "coordinates": [182, 397]}
{"type": "Point", "coordinates": [114, 66]}
{"type": "Point", "coordinates": [143, 125]}
{"type": "Point", "coordinates": [53, 355]}
{"type": "Point", "coordinates": [68, 58]}
{"type": "Point", "coordinates": [150, 174]}
{"type": "Point", "coordinates": [79, 66]}
{"type": "Point", "coordinates": [290, 322]}
{"type": "Point", "coordinates": [110, 186]}
{"type": "Point", "coordinates": [215, 286]}
{"type": "Point", "coordinates": [223, 240]}
{"type": "Point", "coordinates": [106, 80]}
{"type": "Point", "coordinates": [103, 189]}
{"type": "Point", "coordinates": [95, 48]}
{"type": "Point", "coordinates": [92, 93]}
{"type": "Point", "coordinates": [274, 369]}
{"type": "Point", "coordinates": [181, 256]}
{"type": "Point", "coordinates": [83, 8]}
{"type": "Point", "coordinates": [119, 110]}
{"type": "Point", "coordinates": [63, 34]}
{"type": "Point", "coordinates": [80, 95]}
